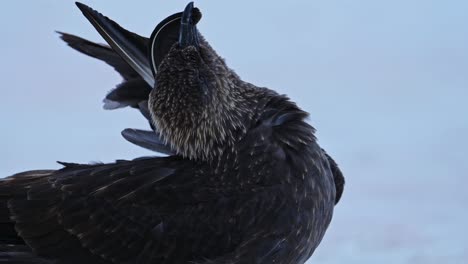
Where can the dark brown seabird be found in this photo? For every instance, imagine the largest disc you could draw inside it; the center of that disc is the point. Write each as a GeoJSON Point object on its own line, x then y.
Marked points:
{"type": "Point", "coordinates": [244, 180]}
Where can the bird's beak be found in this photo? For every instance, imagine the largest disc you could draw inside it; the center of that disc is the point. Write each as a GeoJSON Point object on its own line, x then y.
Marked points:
{"type": "Point", "coordinates": [188, 33]}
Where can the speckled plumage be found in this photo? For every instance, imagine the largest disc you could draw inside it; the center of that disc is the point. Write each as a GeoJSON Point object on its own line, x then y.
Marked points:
{"type": "Point", "coordinates": [247, 181]}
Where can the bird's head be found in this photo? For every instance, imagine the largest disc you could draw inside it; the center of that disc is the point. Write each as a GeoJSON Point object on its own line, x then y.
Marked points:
{"type": "Point", "coordinates": [199, 104]}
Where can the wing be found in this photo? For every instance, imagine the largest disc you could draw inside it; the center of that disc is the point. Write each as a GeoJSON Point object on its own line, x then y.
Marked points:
{"type": "Point", "coordinates": [100, 52]}
{"type": "Point", "coordinates": [282, 153]}
{"type": "Point", "coordinates": [148, 210]}
{"type": "Point", "coordinates": [130, 92]}
{"type": "Point", "coordinates": [130, 46]}
{"type": "Point", "coordinates": [92, 213]}
{"type": "Point", "coordinates": [142, 54]}
{"type": "Point", "coordinates": [151, 210]}
{"type": "Point", "coordinates": [129, 56]}
{"type": "Point", "coordinates": [134, 92]}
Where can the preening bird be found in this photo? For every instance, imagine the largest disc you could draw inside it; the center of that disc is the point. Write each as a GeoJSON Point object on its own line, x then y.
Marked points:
{"type": "Point", "coordinates": [244, 180]}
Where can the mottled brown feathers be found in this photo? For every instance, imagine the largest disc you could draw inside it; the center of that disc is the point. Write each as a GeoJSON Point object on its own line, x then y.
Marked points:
{"type": "Point", "coordinates": [200, 106]}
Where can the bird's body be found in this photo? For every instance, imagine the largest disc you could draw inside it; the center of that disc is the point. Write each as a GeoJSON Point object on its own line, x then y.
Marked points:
{"type": "Point", "coordinates": [247, 181]}
{"type": "Point", "coordinates": [255, 204]}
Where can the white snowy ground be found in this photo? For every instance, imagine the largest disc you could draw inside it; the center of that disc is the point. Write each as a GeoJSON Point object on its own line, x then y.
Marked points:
{"type": "Point", "coordinates": [386, 83]}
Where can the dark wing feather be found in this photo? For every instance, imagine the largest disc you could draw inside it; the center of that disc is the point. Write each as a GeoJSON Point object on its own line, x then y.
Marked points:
{"type": "Point", "coordinates": [151, 210]}
{"type": "Point", "coordinates": [130, 46]}
{"type": "Point", "coordinates": [134, 91]}
{"type": "Point", "coordinates": [129, 93]}
{"type": "Point", "coordinates": [113, 212]}
{"type": "Point", "coordinates": [100, 52]}
{"type": "Point", "coordinates": [83, 211]}
{"type": "Point", "coordinates": [147, 139]}
{"type": "Point", "coordinates": [129, 56]}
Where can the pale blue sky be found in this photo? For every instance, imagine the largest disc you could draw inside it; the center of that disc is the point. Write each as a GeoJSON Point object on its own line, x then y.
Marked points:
{"type": "Point", "coordinates": [386, 83]}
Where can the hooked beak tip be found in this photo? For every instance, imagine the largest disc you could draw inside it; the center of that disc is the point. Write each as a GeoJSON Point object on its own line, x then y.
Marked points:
{"type": "Point", "coordinates": [188, 34]}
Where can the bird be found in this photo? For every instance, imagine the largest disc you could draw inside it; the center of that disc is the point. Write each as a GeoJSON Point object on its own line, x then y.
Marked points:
{"type": "Point", "coordinates": [244, 179]}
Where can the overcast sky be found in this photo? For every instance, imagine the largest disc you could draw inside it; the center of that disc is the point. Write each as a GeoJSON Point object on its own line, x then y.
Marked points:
{"type": "Point", "coordinates": [385, 82]}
